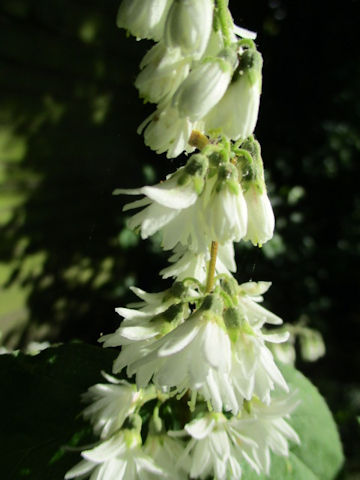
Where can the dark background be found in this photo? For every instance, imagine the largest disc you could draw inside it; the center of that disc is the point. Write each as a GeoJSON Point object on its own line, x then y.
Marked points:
{"type": "Point", "coordinates": [68, 119]}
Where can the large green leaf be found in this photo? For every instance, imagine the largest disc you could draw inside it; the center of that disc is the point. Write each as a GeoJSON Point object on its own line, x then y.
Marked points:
{"type": "Point", "coordinates": [320, 456]}
{"type": "Point", "coordinates": [40, 407]}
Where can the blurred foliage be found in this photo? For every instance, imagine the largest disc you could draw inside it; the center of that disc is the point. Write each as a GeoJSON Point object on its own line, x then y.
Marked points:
{"type": "Point", "coordinates": [68, 119]}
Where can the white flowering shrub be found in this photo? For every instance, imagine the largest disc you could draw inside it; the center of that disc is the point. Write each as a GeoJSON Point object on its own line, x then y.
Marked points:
{"type": "Point", "coordinates": [200, 394]}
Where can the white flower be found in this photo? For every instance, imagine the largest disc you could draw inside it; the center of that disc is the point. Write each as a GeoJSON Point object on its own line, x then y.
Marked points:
{"type": "Point", "coordinates": [187, 356]}
{"type": "Point", "coordinates": [119, 458]}
{"type": "Point", "coordinates": [203, 88]}
{"type": "Point", "coordinates": [312, 345]}
{"type": "Point", "coordinates": [189, 25]}
{"type": "Point", "coordinates": [225, 210]}
{"type": "Point", "coordinates": [165, 131]}
{"type": "Point", "coordinates": [192, 215]}
{"type": "Point", "coordinates": [236, 114]}
{"type": "Point", "coordinates": [211, 449]}
{"type": "Point", "coordinates": [284, 352]}
{"type": "Point", "coordinates": [143, 18]}
{"type": "Point", "coordinates": [172, 208]}
{"type": "Point", "coordinates": [166, 451]}
{"type": "Point", "coordinates": [162, 71]}
{"type": "Point", "coordinates": [215, 450]}
{"type": "Point", "coordinates": [265, 429]}
{"type": "Point", "coordinates": [253, 370]}
{"type": "Point", "coordinates": [111, 403]}
{"type": "Point", "coordinates": [219, 445]}
{"type": "Point", "coordinates": [143, 328]}
{"type": "Point", "coordinates": [261, 220]}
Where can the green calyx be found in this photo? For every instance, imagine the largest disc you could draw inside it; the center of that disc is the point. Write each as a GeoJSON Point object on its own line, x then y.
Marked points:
{"type": "Point", "coordinates": [236, 323]}
{"type": "Point", "coordinates": [213, 303]}
{"type": "Point", "coordinates": [250, 165]}
{"type": "Point", "coordinates": [250, 65]}
{"type": "Point", "coordinates": [227, 177]}
{"type": "Point", "coordinates": [230, 286]}
{"type": "Point", "coordinates": [195, 171]}
{"type": "Point", "coordinates": [234, 318]}
{"type": "Point", "coordinates": [174, 314]}
{"type": "Point", "coordinates": [197, 165]}
{"type": "Point", "coordinates": [132, 423]}
{"type": "Point", "coordinates": [177, 291]}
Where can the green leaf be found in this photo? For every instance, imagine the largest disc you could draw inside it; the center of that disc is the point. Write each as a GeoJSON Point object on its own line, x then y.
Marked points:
{"type": "Point", "coordinates": [40, 405]}
{"type": "Point", "coordinates": [320, 456]}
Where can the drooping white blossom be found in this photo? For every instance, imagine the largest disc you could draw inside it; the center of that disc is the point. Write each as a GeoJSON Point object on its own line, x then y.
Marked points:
{"type": "Point", "coordinates": [185, 357]}
{"type": "Point", "coordinates": [189, 25]}
{"type": "Point", "coordinates": [118, 458]}
{"type": "Point", "coordinates": [166, 451]}
{"type": "Point", "coordinates": [110, 404]}
{"type": "Point", "coordinates": [211, 450]}
{"type": "Point", "coordinates": [267, 428]}
{"type": "Point", "coordinates": [260, 220]}
{"type": "Point", "coordinates": [165, 131]}
{"type": "Point", "coordinates": [224, 206]}
{"type": "Point", "coordinates": [253, 369]}
{"type": "Point", "coordinates": [203, 88]}
{"type": "Point", "coordinates": [143, 18]}
{"type": "Point", "coordinates": [236, 114]}
{"type": "Point", "coordinates": [219, 446]}
{"type": "Point", "coordinates": [193, 216]}
{"type": "Point", "coordinates": [162, 71]}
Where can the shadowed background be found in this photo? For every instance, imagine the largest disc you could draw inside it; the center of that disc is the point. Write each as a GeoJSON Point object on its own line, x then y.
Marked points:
{"type": "Point", "coordinates": [68, 119]}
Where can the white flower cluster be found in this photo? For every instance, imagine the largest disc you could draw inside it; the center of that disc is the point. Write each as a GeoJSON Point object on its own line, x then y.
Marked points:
{"type": "Point", "coordinates": [209, 445]}
{"type": "Point", "coordinates": [217, 350]}
{"type": "Point", "coordinates": [199, 80]}
{"type": "Point", "coordinates": [208, 396]}
{"type": "Point", "coordinates": [217, 196]}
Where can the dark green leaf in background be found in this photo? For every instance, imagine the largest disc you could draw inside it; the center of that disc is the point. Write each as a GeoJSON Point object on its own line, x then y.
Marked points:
{"type": "Point", "coordinates": [40, 406]}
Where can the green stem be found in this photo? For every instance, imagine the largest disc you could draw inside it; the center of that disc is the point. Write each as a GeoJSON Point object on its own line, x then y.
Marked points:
{"type": "Point", "coordinates": [224, 19]}
{"type": "Point", "coordinates": [212, 267]}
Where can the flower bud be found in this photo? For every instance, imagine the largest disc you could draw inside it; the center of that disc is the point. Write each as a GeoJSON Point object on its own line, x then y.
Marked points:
{"type": "Point", "coordinates": [162, 72]}
{"type": "Point", "coordinates": [312, 345]}
{"type": "Point", "coordinates": [261, 220]}
{"type": "Point", "coordinates": [203, 88]}
{"type": "Point", "coordinates": [236, 114]}
{"type": "Point", "coordinates": [166, 132]}
{"type": "Point", "coordinates": [143, 18]}
{"type": "Point", "coordinates": [188, 26]}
